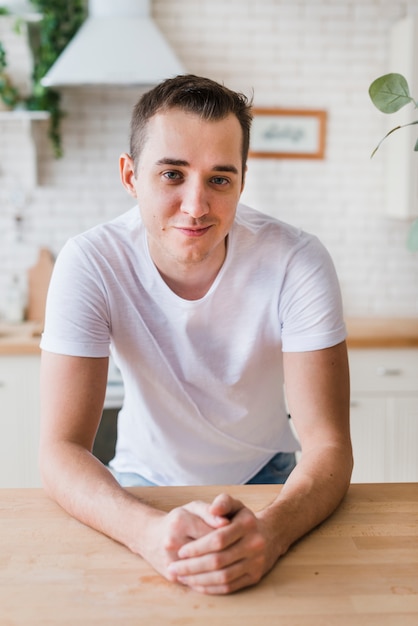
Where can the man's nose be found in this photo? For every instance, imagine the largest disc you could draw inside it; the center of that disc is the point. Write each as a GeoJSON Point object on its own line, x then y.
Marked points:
{"type": "Point", "coordinates": [195, 201]}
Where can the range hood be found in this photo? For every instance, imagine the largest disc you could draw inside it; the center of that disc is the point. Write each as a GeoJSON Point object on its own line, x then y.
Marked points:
{"type": "Point", "coordinates": [118, 44]}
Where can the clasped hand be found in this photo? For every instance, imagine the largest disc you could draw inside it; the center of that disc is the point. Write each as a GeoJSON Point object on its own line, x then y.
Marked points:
{"type": "Point", "coordinates": [212, 548]}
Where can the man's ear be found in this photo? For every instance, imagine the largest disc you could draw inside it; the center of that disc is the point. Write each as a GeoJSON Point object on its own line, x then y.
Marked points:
{"type": "Point", "coordinates": [127, 173]}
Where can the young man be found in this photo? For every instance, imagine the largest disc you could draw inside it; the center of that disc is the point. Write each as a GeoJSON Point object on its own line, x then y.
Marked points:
{"type": "Point", "coordinates": [209, 308]}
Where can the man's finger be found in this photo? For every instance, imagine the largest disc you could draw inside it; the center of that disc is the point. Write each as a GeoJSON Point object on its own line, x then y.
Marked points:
{"type": "Point", "coordinates": [205, 512]}
{"type": "Point", "coordinates": [225, 506]}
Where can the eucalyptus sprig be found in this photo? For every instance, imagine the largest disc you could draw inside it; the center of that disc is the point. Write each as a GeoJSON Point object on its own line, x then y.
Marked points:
{"type": "Point", "coordinates": [390, 93]}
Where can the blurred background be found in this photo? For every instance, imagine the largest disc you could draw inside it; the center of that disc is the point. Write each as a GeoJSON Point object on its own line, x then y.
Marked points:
{"type": "Point", "coordinates": [287, 54]}
{"type": "Point", "coordinates": [306, 54]}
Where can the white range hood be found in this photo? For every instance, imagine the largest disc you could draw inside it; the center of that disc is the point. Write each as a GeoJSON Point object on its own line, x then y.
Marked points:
{"type": "Point", "coordinates": [118, 44]}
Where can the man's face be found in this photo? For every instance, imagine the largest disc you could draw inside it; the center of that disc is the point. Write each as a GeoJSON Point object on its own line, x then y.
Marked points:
{"type": "Point", "coordinates": [188, 182]}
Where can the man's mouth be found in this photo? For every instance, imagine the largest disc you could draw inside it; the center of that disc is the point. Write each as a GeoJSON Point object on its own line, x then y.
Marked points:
{"type": "Point", "coordinates": [193, 231]}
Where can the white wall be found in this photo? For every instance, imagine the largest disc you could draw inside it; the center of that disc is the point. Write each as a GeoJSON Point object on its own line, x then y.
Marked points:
{"type": "Point", "coordinates": [291, 53]}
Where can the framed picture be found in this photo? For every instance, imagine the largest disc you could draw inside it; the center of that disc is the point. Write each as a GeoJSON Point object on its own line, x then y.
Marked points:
{"type": "Point", "coordinates": [288, 133]}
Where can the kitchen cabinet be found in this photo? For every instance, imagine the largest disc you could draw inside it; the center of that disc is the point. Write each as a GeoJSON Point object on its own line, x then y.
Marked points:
{"type": "Point", "coordinates": [19, 420]}
{"type": "Point", "coordinates": [384, 414]}
{"type": "Point", "coordinates": [20, 415]}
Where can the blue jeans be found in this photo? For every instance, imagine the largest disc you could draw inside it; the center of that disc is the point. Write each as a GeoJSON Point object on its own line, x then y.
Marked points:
{"type": "Point", "coordinates": [275, 472]}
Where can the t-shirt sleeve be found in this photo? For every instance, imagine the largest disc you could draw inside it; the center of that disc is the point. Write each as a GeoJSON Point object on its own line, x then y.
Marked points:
{"type": "Point", "coordinates": [311, 310]}
{"type": "Point", "coordinates": [77, 320]}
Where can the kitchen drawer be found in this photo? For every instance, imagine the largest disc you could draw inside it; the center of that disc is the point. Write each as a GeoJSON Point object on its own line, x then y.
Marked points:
{"type": "Point", "coordinates": [384, 370]}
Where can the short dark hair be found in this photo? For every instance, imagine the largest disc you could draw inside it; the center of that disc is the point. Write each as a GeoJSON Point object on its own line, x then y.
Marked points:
{"type": "Point", "coordinates": [195, 94]}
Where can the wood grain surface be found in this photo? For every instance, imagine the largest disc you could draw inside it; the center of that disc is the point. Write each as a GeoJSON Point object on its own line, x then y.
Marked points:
{"type": "Point", "coordinates": [359, 568]}
{"type": "Point", "coordinates": [382, 332]}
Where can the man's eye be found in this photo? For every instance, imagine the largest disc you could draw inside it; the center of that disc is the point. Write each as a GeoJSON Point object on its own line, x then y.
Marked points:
{"type": "Point", "coordinates": [171, 175]}
{"type": "Point", "coordinates": [220, 180]}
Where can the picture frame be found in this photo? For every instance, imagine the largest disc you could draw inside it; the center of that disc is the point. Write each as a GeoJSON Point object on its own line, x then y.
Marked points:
{"type": "Point", "coordinates": [288, 133]}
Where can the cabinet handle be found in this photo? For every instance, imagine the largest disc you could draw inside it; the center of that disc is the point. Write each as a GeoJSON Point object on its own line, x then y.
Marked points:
{"type": "Point", "coordinates": [388, 371]}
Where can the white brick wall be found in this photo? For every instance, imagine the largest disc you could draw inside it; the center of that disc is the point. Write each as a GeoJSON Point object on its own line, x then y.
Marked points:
{"type": "Point", "coordinates": [291, 53]}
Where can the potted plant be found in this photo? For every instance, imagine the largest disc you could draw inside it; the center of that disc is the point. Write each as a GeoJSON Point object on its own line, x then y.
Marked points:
{"type": "Point", "coordinates": [390, 93]}
{"type": "Point", "coordinates": [58, 22]}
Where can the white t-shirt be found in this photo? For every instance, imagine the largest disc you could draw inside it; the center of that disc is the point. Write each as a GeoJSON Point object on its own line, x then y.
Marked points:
{"type": "Point", "coordinates": [203, 379]}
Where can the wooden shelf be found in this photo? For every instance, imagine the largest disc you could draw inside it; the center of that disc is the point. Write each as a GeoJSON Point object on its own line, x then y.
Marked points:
{"type": "Point", "coordinates": [23, 116]}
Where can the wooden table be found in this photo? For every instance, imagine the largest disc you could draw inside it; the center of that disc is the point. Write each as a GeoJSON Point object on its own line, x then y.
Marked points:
{"type": "Point", "coordinates": [358, 568]}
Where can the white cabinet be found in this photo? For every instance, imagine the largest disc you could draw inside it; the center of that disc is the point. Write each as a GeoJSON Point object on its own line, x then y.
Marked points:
{"type": "Point", "coordinates": [19, 420]}
{"type": "Point", "coordinates": [384, 414]}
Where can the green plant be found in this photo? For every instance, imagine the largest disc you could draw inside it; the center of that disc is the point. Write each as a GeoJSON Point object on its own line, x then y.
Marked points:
{"type": "Point", "coordinates": [9, 94]}
{"type": "Point", "coordinates": [48, 37]}
{"type": "Point", "coordinates": [390, 93]}
{"type": "Point", "coordinates": [60, 21]}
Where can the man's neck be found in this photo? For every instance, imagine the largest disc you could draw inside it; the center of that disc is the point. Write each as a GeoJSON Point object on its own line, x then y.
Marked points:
{"type": "Point", "coordinates": [192, 281]}
{"type": "Point", "coordinates": [192, 284]}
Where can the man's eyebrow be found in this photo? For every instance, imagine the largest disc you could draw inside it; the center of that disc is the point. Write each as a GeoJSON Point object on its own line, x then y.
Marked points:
{"type": "Point", "coordinates": [169, 161]}
{"type": "Point", "coordinates": [182, 163]}
{"type": "Point", "coordinates": [225, 168]}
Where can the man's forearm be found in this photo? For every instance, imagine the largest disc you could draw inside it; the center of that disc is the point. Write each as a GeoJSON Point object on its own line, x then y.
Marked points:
{"type": "Point", "coordinates": [312, 492]}
{"type": "Point", "coordinates": [86, 490]}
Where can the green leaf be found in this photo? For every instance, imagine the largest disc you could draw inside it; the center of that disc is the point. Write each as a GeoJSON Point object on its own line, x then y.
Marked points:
{"type": "Point", "coordinates": [390, 92]}
{"type": "Point", "coordinates": [17, 27]}
{"type": "Point", "coordinates": [412, 241]}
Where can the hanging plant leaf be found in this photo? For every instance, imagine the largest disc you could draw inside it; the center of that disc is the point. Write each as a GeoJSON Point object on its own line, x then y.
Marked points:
{"type": "Point", "coordinates": [47, 38]}
{"type": "Point", "coordinates": [390, 92]}
{"type": "Point", "coordinates": [412, 241]}
{"type": "Point", "coordinates": [60, 21]}
{"type": "Point", "coordinates": [9, 94]}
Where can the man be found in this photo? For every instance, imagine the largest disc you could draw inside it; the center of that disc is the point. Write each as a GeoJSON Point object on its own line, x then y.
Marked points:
{"type": "Point", "coordinates": [209, 307]}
